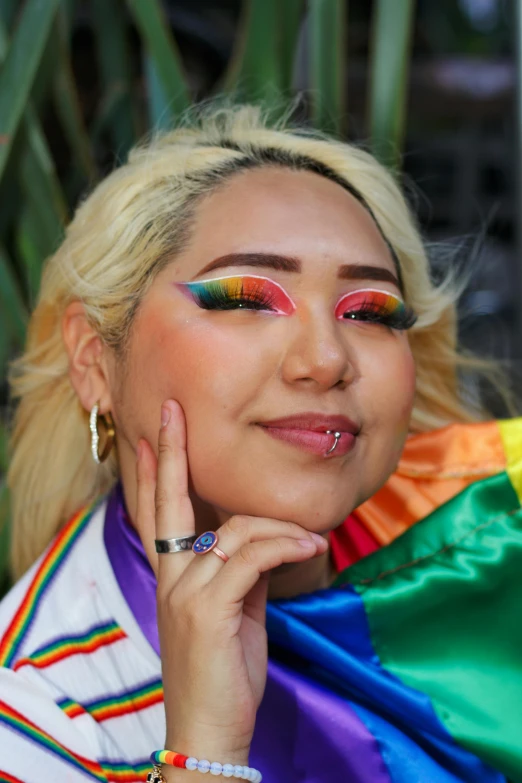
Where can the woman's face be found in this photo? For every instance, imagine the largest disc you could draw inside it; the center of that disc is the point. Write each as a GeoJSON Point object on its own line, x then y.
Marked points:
{"type": "Point", "coordinates": [231, 369]}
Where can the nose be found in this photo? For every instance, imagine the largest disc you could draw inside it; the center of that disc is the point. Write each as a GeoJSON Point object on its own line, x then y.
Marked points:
{"type": "Point", "coordinates": [319, 352]}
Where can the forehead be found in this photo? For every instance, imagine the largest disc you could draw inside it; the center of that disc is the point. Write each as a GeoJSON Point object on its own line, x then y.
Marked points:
{"type": "Point", "coordinates": [294, 213]}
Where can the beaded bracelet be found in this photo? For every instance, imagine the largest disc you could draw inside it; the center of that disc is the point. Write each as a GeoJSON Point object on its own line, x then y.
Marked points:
{"type": "Point", "coordinates": [193, 764]}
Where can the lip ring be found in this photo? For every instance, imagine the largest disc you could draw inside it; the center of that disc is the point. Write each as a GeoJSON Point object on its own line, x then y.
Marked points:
{"type": "Point", "coordinates": [318, 442]}
{"type": "Point", "coordinates": [337, 437]}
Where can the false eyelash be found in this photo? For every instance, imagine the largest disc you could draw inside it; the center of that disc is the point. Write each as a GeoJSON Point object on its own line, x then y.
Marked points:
{"type": "Point", "coordinates": [373, 313]}
{"type": "Point", "coordinates": [217, 298]}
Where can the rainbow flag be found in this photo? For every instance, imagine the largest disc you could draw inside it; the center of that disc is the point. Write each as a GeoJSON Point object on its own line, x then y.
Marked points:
{"type": "Point", "coordinates": [409, 669]}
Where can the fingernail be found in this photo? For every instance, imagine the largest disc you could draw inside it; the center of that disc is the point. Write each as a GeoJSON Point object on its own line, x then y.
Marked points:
{"type": "Point", "coordinates": [318, 539]}
{"type": "Point", "coordinates": [305, 543]}
{"type": "Point", "coordinates": [165, 415]}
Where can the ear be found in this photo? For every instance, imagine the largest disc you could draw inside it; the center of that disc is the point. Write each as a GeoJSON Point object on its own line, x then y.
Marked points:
{"type": "Point", "coordinates": [88, 368]}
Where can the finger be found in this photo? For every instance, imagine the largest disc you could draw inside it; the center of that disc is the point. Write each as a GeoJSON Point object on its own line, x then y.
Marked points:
{"type": "Point", "coordinates": [255, 600]}
{"type": "Point", "coordinates": [244, 569]}
{"type": "Point", "coordinates": [240, 530]}
{"type": "Point", "coordinates": [146, 488]}
{"type": "Point", "coordinates": [174, 512]}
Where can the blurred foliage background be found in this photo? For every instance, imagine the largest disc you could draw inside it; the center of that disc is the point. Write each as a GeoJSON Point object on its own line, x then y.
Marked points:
{"type": "Point", "coordinates": [429, 87]}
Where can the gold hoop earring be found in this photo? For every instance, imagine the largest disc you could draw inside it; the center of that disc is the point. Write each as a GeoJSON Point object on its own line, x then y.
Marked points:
{"type": "Point", "coordinates": [110, 434]}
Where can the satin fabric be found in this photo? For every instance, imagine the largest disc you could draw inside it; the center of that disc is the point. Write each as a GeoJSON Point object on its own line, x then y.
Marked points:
{"type": "Point", "coordinates": [443, 603]}
{"type": "Point", "coordinates": [331, 711]}
{"type": "Point", "coordinates": [434, 467]}
{"type": "Point", "coordinates": [315, 736]}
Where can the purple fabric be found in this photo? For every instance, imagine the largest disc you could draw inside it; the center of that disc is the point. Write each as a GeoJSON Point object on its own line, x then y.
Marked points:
{"type": "Point", "coordinates": [131, 567]}
{"type": "Point", "coordinates": [316, 736]}
{"type": "Point", "coordinates": [304, 732]}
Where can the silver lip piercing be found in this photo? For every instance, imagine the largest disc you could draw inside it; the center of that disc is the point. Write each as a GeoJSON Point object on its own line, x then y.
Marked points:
{"type": "Point", "coordinates": [337, 436]}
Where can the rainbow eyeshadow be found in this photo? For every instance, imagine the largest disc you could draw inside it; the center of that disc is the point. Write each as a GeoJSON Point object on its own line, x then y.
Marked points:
{"type": "Point", "coordinates": [375, 306]}
{"type": "Point", "coordinates": [248, 292]}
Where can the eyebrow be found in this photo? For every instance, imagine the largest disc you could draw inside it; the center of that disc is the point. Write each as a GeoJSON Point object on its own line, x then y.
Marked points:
{"type": "Point", "coordinates": [291, 264]}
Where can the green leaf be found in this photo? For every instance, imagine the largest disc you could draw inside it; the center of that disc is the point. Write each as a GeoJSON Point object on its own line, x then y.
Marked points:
{"type": "Point", "coordinates": [13, 310]}
{"type": "Point", "coordinates": [254, 72]}
{"type": "Point", "coordinates": [67, 103]}
{"type": "Point", "coordinates": [290, 16]}
{"type": "Point", "coordinates": [31, 249]}
{"type": "Point", "coordinates": [114, 58]}
{"type": "Point", "coordinates": [37, 173]}
{"type": "Point", "coordinates": [160, 115]}
{"type": "Point", "coordinates": [390, 52]}
{"type": "Point", "coordinates": [8, 9]}
{"type": "Point", "coordinates": [41, 186]}
{"type": "Point", "coordinates": [20, 68]}
{"type": "Point", "coordinates": [161, 46]}
{"type": "Point", "coordinates": [327, 35]}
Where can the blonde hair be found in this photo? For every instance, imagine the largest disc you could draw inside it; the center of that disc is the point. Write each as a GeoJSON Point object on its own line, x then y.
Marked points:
{"type": "Point", "coordinates": [130, 227]}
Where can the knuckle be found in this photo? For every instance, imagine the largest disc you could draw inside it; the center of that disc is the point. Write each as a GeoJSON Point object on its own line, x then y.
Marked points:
{"type": "Point", "coordinates": [246, 556]}
{"type": "Point", "coordinates": [164, 447]}
{"type": "Point", "coordinates": [144, 480]}
{"type": "Point", "coordinates": [296, 530]}
{"type": "Point", "coordinates": [171, 603]}
{"type": "Point", "coordinates": [240, 525]}
{"type": "Point", "coordinates": [161, 499]}
{"type": "Point", "coordinates": [165, 596]}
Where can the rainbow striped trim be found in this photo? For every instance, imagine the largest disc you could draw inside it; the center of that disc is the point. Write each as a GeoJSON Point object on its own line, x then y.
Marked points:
{"type": "Point", "coordinates": [71, 708]}
{"type": "Point", "coordinates": [21, 725]}
{"type": "Point", "coordinates": [106, 770]}
{"type": "Point", "coordinates": [66, 646]}
{"type": "Point", "coordinates": [46, 572]}
{"type": "Point", "coordinates": [5, 777]}
{"type": "Point", "coordinates": [115, 705]}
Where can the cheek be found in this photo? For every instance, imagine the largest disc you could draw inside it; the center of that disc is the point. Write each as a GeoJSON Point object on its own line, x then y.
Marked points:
{"type": "Point", "coordinates": [390, 385]}
{"type": "Point", "coordinates": [207, 367]}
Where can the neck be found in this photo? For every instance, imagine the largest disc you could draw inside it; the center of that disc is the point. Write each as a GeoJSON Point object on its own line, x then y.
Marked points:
{"type": "Point", "coordinates": [289, 581]}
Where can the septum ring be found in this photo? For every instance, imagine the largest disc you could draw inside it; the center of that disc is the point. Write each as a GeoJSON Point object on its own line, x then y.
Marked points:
{"type": "Point", "coordinates": [337, 436]}
{"type": "Point", "coordinates": [207, 542]}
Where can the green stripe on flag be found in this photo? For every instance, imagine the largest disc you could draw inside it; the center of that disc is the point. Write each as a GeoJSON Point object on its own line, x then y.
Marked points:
{"type": "Point", "coordinates": [444, 608]}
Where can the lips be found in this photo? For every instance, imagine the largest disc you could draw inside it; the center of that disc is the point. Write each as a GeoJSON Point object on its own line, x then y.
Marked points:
{"type": "Point", "coordinates": [308, 431]}
{"type": "Point", "coordinates": [314, 422]}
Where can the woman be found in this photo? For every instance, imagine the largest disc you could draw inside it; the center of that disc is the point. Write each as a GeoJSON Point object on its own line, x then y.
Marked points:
{"type": "Point", "coordinates": [250, 311]}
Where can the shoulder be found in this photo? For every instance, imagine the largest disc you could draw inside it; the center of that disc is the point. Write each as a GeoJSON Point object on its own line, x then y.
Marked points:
{"type": "Point", "coordinates": [76, 692]}
{"type": "Point", "coordinates": [58, 595]}
{"type": "Point", "coordinates": [43, 620]}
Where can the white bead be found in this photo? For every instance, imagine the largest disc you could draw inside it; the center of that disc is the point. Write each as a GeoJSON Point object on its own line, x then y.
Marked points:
{"type": "Point", "coordinates": [246, 773]}
{"type": "Point", "coordinates": [238, 771]}
{"type": "Point", "coordinates": [258, 777]}
{"type": "Point", "coordinates": [216, 768]}
{"type": "Point", "coordinates": [203, 765]}
{"type": "Point", "coordinates": [253, 773]}
{"type": "Point", "coordinates": [228, 770]}
{"type": "Point", "coordinates": [191, 763]}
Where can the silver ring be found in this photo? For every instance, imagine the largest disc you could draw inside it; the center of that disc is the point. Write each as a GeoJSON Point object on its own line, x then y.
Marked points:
{"type": "Point", "coordinates": [168, 545]}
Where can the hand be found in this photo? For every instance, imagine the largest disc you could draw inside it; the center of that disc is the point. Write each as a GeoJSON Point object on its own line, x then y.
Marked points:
{"type": "Point", "coordinates": [211, 614]}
